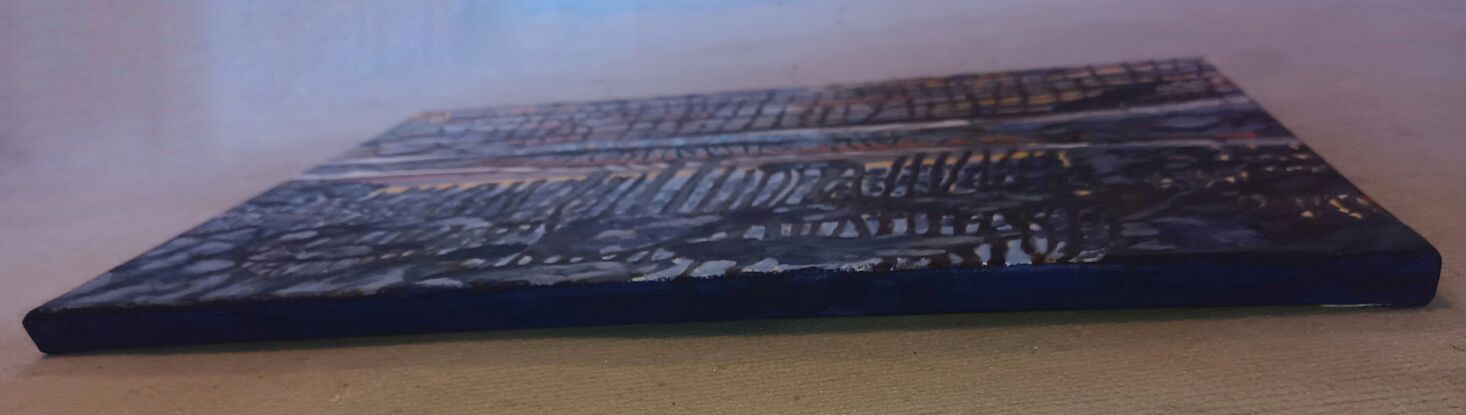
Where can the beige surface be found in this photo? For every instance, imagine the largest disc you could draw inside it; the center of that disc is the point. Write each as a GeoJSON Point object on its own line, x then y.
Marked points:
{"type": "Point", "coordinates": [124, 123]}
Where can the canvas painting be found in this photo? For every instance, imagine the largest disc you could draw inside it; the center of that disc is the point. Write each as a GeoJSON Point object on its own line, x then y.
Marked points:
{"type": "Point", "coordinates": [1141, 184]}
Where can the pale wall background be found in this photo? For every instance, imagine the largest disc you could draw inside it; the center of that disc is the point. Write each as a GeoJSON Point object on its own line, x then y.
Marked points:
{"type": "Point", "coordinates": [123, 123]}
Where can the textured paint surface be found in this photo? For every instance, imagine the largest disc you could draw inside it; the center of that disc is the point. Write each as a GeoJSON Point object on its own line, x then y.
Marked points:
{"type": "Point", "coordinates": [1106, 164]}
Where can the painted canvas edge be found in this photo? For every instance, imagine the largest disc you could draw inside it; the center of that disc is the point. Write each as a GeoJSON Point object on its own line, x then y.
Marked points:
{"type": "Point", "coordinates": [1397, 279]}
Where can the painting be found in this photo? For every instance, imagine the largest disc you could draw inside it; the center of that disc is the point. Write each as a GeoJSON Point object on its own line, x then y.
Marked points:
{"type": "Point", "coordinates": [1142, 184]}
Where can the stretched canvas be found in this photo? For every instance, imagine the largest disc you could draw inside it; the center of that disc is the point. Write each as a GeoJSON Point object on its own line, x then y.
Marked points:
{"type": "Point", "coordinates": [1141, 184]}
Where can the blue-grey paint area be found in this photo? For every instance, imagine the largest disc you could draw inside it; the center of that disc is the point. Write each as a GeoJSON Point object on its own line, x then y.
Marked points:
{"type": "Point", "coordinates": [1143, 184]}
